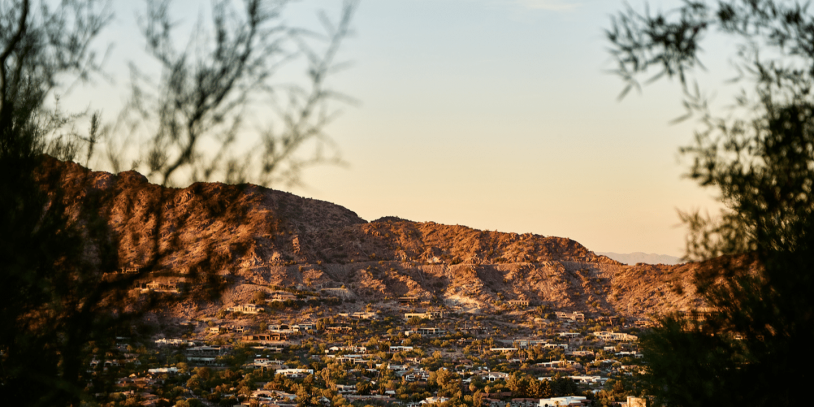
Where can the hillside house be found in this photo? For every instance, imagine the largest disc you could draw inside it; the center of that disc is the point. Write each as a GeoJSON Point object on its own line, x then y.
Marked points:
{"type": "Point", "coordinates": [304, 326]}
{"type": "Point", "coordinates": [346, 389]}
{"type": "Point", "coordinates": [278, 296]}
{"type": "Point", "coordinates": [130, 270]}
{"type": "Point", "coordinates": [426, 331]}
{"type": "Point", "coordinates": [526, 343]}
{"type": "Point", "coordinates": [553, 365]}
{"type": "Point", "coordinates": [246, 309]}
{"type": "Point", "coordinates": [283, 329]}
{"type": "Point", "coordinates": [159, 285]}
{"type": "Point", "coordinates": [503, 350]}
{"type": "Point", "coordinates": [270, 337]}
{"type": "Point", "coordinates": [349, 348]}
{"type": "Point", "coordinates": [573, 316]}
{"type": "Point", "coordinates": [424, 315]}
{"type": "Point", "coordinates": [495, 376]}
{"type": "Point", "coordinates": [276, 396]}
{"type": "Point", "coordinates": [555, 345]}
{"type": "Point", "coordinates": [408, 299]}
{"type": "Point", "coordinates": [616, 336]}
{"type": "Point", "coordinates": [589, 379]}
{"type": "Point", "coordinates": [359, 315]}
{"type": "Point", "coordinates": [206, 355]}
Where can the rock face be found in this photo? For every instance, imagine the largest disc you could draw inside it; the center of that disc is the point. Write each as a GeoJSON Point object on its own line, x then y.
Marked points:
{"type": "Point", "coordinates": [264, 237]}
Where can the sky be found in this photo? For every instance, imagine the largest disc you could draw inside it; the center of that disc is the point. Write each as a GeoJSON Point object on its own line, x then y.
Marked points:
{"type": "Point", "coordinates": [494, 114]}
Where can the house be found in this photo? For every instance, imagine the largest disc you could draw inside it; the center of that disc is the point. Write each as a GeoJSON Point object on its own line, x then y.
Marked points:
{"type": "Point", "coordinates": [525, 343]}
{"type": "Point", "coordinates": [503, 350]}
{"type": "Point", "coordinates": [424, 315]}
{"type": "Point", "coordinates": [281, 296]}
{"type": "Point", "coordinates": [430, 331]}
{"type": "Point", "coordinates": [129, 270]}
{"type": "Point", "coordinates": [345, 389]}
{"type": "Point", "coordinates": [627, 353]}
{"type": "Point", "coordinates": [589, 379]}
{"type": "Point", "coordinates": [273, 395]}
{"type": "Point", "coordinates": [394, 349]}
{"type": "Point", "coordinates": [555, 345]}
{"type": "Point", "coordinates": [396, 368]}
{"type": "Point", "coordinates": [172, 370]}
{"type": "Point", "coordinates": [564, 401]}
{"type": "Point", "coordinates": [553, 364]}
{"type": "Point", "coordinates": [172, 342]}
{"type": "Point", "coordinates": [495, 376]}
{"type": "Point", "coordinates": [207, 355]}
{"type": "Point", "coordinates": [524, 402]}
{"type": "Point", "coordinates": [304, 326]}
{"type": "Point", "coordinates": [282, 328]}
{"type": "Point", "coordinates": [349, 348]}
{"type": "Point", "coordinates": [615, 336]}
{"type": "Point", "coordinates": [294, 373]}
{"type": "Point", "coordinates": [434, 400]}
{"type": "Point", "coordinates": [246, 309]}
{"type": "Point", "coordinates": [519, 303]}
{"type": "Point", "coordinates": [573, 316]}
{"type": "Point", "coordinates": [270, 337]}
{"type": "Point", "coordinates": [265, 364]}
{"type": "Point", "coordinates": [359, 315]}
{"type": "Point", "coordinates": [357, 359]}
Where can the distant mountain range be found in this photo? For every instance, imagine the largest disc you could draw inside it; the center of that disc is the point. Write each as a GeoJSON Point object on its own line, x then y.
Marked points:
{"type": "Point", "coordinates": [639, 257]}
{"type": "Point", "coordinates": [256, 237]}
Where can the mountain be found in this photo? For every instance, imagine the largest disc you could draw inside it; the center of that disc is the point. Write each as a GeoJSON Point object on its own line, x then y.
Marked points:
{"type": "Point", "coordinates": [259, 237]}
{"type": "Point", "coordinates": [639, 257]}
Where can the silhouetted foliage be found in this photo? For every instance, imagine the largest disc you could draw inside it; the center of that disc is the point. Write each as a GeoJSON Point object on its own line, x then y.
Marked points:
{"type": "Point", "coordinates": [59, 295]}
{"type": "Point", "coordinates": [216, 113]}
{"type": "Point", "coordinates": [756, 278]}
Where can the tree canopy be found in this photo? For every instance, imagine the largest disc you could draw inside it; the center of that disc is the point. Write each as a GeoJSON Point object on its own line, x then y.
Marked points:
{"type": "Point", "coordinates": [57, 302]}
{"type": "Point", "coordinates": [755, 275]}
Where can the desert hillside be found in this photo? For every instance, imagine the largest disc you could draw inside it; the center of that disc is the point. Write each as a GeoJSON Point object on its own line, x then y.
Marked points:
{"type": "Point", "coordinates": [639, 257]}
{"type": "Point", "coordinates": [261, 237]}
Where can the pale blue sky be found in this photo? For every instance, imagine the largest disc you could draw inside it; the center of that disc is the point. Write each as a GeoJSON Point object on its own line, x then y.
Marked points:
{"type": "Point", "coordinates": [499, 115]}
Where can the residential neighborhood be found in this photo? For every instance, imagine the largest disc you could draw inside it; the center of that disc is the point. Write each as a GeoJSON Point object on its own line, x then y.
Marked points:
{"type": "Point", "coordinates": [395, 353]}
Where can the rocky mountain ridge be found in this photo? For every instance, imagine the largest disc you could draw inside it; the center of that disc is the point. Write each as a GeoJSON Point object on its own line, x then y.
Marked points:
{"type": "Point", "coordinates": [640, 257]}
{"type": "Point", "coordinates": [262, 237]}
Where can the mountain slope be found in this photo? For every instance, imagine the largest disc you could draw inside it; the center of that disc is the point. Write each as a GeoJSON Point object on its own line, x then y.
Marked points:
{"type": "Point", "coordinates": [639, 257]}
{"type": "Point", "coordinates": [263, 237]}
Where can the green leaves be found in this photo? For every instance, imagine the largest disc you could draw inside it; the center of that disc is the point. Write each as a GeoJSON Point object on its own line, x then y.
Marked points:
{"type": "Point", "coordinates": [758, 267]}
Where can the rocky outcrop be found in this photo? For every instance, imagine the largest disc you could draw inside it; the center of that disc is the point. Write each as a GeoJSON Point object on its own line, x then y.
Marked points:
{"type": "Point", "coordinates": [264, 237]}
